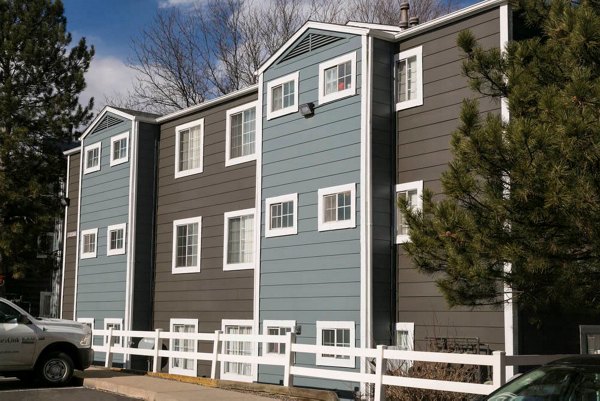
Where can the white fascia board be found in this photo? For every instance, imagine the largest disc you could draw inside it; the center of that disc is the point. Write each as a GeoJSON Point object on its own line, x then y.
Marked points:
{"type": "Point", "coordinates": [449, 18]}
{"type": "Point", "coordinates": [119, 113]}
{"type": "Point", "coordinates": [72, 151]}
{"type": "Point", "coordinates": [310, 25]}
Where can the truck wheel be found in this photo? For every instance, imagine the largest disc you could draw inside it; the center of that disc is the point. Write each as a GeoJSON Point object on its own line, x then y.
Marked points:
{"type": "Point", "coordinates": [55, 369]}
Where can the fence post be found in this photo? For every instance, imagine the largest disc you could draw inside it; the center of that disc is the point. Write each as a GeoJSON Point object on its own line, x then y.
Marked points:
{"type": "Point", "coordinates": [288, 379]}
{"type": "Point", "coordinates": [108, 358]}
{"type": "Point", "coordinates": [499, 369]}
{"type": "Point", "coordinates": [379, 372]}
{"type": "Point", "coordinates": [215, 356]}
{"type": "Point", "coordinates": [157, 348]}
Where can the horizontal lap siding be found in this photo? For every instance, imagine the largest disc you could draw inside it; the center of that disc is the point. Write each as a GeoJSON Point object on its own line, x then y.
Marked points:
{"type": "Point", "coordinates": [312, 275]}
{"type": "Point", "coordinates": [68, 291]}
{"type": "Point", "coordinates": [423, 153]}
{"type": "Point", "coordinates": [104, 202]}
{"type": "Point", "coordinates": [212, 294]}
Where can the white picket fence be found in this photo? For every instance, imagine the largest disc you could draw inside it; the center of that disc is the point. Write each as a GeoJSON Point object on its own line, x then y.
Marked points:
{"type": "Point", "coordinates": [498, 361]}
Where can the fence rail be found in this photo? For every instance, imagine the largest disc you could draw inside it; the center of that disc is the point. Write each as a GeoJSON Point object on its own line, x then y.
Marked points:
{"type": "Point", "coordinates": [498, 361]}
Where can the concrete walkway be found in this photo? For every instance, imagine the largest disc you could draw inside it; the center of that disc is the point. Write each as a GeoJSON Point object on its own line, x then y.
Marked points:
{"type": "Point", "coordinates": [157, 389]}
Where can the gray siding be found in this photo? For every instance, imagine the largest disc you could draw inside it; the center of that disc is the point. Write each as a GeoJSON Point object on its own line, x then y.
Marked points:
{"type": "Point", "coordinates": [104, 201]}
{"type": "Point", "coordinates": [212, 294]}
{"type": "Point", "coordinates": [68, 291]}
{"type": "Point", "coordinates": [423, 144]}
{"type": "Point", "coordinates": [312, 275]}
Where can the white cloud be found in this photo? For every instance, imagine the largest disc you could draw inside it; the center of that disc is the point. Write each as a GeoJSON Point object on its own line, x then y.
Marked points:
{"type": "Point", "coordinates": [178, 3]}
{"type": "Point", "coordinates": [107, 76]}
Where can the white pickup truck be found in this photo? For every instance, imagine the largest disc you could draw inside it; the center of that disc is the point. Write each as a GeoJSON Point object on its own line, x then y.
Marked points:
{"type": "Point", "coordinates": [47, 350]}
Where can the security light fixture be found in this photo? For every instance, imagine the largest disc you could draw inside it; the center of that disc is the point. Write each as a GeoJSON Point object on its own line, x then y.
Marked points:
{"type": "Point", "coordinates": [307, 109]}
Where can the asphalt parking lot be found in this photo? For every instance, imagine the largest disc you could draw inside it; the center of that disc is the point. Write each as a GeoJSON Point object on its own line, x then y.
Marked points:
{"type": "Point", "coordinates": [14, 390]}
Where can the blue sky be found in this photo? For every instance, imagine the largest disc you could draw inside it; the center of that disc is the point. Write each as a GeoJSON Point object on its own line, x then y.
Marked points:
{"type": "Point", "coordinates": [109, 25]}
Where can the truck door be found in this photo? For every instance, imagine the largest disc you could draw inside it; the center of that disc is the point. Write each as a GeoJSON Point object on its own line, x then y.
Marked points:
{"type": "Point", "coordinates": [18, 338]}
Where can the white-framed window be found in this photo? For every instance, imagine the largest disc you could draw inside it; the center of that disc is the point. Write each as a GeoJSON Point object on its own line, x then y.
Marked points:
{"type": "Point", "coordinates": [89, 243]}
{"type": "Point", "coordinates": [189, 143]}
{"type": "Point", "coordinates": [337, 78]}
{"type": "Point", "coordinates": [413, 192]}
{"type": "Point", "coordinates": [239, 371]}
{"type": "Point", "coordinates": [240, 128]}
{"type": "Point", "coordinates": [337, 207]}
{"type": "Point", "coordinates": [91, 158]}
{"type": "Point", "coordinates": [409, 78]}
{"type": "Point", "coordinates": [276, 328]}
{"type": "Point", "coordinates": [115, 324]}
{"type": "Point", "coordinates": [119, 149]}
{"type": "Point", "coordinates": [335, 334]}
{"type": "Point", "coordinates": [281, 217]}
{"type": "Point", "coordinates": [282, 96]}
{"type": "Point", "coordinates": [238, 243]}
{"type": "Point", "coordinates": [183, 366]}
{"type": "Point", "coordinates": [405, 336]}
{"type": "Point", "coordinates": [115, 239]}
{"type": "Point", "coordinates": [187, 235]}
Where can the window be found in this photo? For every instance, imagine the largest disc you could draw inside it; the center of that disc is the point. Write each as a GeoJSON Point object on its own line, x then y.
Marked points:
{"type": "Point", "coordinates": [335, 334]}
{"type": "Point", "coordinates": [183, 366]}
{"type": "Point", "coordinates": [281, 215]}
{"type": "Point", "coordinates": [8, 314]}
{"type": "Point", "coordinates": [119, 146]}
{"type": "Point", "coordinates": [337, 207]}
{"type": "Point", "coordinates": [240, 134]}
{"type": "Point", "coordinates": [186, 245]}
{"type": "Point", "coordinates": [405, 336]}
{"type": "Point", "coordinates": [189, 140]}
{"type": "Point", "coordinates": [239, 371]}
{"type": "Point", "coordinates": [276, 328]}
{"type": "Point", "coordinates": [115, 324]}
{"type": "Point", "coordinates": [89, 243]}
{"type": "Point", "coordinates": [282, 96]}
{"type": "Point", "coordinates": [413, 193]}
{"type": "Point", "coordinates": [337, 78]}
{"type": "Point", "coordinates": [409, 79]}
{"type": "Point", "coordinates": [92, 156]}
{"type": "Point", "coordinates": [115, 239]}
{"type": "Point", "coordinates": [238, 247]}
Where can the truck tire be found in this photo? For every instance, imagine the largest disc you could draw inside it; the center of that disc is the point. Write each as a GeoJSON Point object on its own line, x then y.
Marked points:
{"type": "Point", "coordinates": [55, 369]}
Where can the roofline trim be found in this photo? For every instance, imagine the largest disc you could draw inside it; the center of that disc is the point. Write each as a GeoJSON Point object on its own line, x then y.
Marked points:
{"type": "Point", "coordinates": [120, 113]}
{"type": "Point", "coordinates": [72, 151]}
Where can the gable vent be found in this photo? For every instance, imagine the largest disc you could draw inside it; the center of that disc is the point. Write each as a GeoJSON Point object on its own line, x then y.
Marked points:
{"type": "Point", "coordinates": [311, 42]}
{"type": "Point", "coordinates": [107, 122]}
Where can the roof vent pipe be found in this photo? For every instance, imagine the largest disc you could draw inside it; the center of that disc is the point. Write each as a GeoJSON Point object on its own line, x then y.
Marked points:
{"type": "Point", "coordinates": [413, 21]}
{"type": "Point", "coordinates": [404, 14]}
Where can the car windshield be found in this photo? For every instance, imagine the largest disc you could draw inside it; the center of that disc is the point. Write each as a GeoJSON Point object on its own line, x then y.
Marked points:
{"type": "Point", "coordinates": [553, 383]}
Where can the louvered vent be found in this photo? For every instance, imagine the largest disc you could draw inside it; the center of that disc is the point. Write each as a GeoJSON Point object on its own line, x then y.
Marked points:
{"type": "Point", "coordinates": [107, 122]}
{"type": "Point", "coordinates": [311, 42]}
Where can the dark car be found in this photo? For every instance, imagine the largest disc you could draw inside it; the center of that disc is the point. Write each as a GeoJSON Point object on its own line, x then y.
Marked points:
{"type": "Point", "coordinates": [569, 379]}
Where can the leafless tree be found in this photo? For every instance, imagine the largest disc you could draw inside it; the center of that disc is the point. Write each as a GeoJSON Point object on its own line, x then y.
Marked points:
{"type": "Point", "coordinates": [214, 48]}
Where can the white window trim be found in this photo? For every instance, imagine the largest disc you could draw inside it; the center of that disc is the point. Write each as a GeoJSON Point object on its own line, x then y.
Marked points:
{"type": "Point", "coordinates": [115, 162]}
{"type": "Point", "coordinates": [276, 232]}
{"type": "Point", "coordinates": [226, 217]}
{"type": "Point", "coordinates": [417, 51]}
{"type": "Point", "coordinates": [88, 255]}
{"type": "Point", "coordinates": [118, 321]}
{"type": "Point", "coordinates": [323, 98]}
{"type": "Point", "coordinates": [109, 229]}
{"type": "Point", "coordinates": [275, 323]}
{"type": "Point", "coordinates": [188, 269]}
{"type": "Point", "coordinates": [279, 81]}
{"type": "Point", "coordinates": [178, 129]}
{"type": "Point", "coordinates": [407, 186]}
{"type": "Point", "coordinates": [233, 376]}
{"type": "Point", "coordinates": [410, 327]}
{"type": "Point", "coordinates": [87, 320]}
{"type": "Point", "coordinates": [328, 361]}
{"type": "Point", "coordinates": [179, 371]}
{"type": "Point", "coordinates": [97, 145]}
{"type": "Point", "coordinates": [337, 225]}
{"type": "Point", "coordinates": [241, 159]}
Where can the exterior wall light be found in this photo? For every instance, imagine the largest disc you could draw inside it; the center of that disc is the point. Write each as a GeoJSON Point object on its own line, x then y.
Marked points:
{"type": "Point", "coordinates": [307, 109]}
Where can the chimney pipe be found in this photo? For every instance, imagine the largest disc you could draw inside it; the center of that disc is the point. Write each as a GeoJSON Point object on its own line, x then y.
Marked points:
{"type": "Point", "coordinates": [404, 14]}
{"type": "Point", "coordinates": [413, 21]}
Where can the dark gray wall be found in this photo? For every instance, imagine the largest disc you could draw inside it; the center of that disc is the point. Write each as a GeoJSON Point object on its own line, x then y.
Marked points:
{"type": "Point", "coordinates": [68, 291]}
{"type": "Point", "coordinates": [212, 294]}
{"type": "Point", "coordinates": [423, 143]}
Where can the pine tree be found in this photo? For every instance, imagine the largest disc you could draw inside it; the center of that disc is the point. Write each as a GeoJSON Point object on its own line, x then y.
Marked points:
{"type": "Point", "coordinates": [523, 193]}
{"type": "Point", "coordinates": [40, 80]}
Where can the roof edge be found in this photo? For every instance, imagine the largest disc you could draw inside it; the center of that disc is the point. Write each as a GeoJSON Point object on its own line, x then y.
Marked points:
{"type": "Point", "coordinates": [118, 112]}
